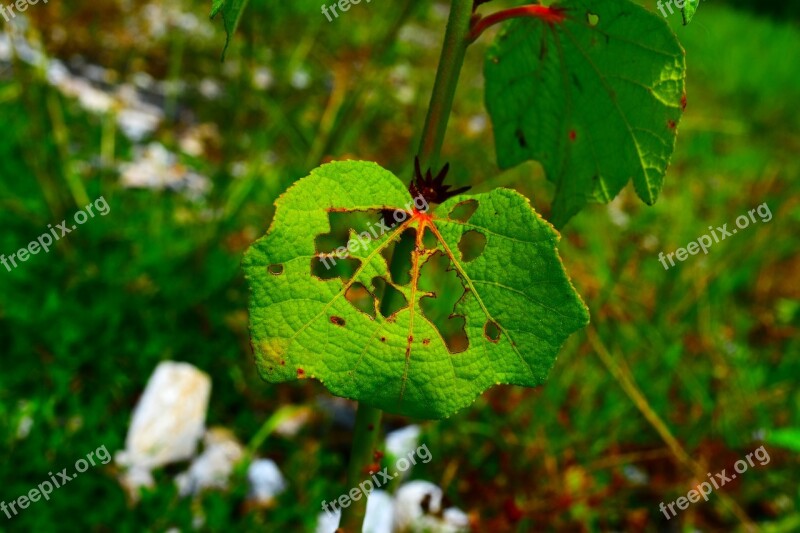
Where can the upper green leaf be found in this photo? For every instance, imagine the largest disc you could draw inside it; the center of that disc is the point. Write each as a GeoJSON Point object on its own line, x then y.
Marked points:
{"type": "Point", "coordinates": [594, 93]}
{"type": "Point", "coordinates": [231, 15]}
{"type": "Point", "coordinates": [688, 10]}
{"type": "Point", "coordinates": [518, 304]}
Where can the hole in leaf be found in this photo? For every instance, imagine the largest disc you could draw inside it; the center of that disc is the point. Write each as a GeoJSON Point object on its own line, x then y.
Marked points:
{"type": "Point", "coordinates": [429, 240]}
{"type": "Point", "coordinates": [363, 300]}
{"type": "Point", "coordinates": [463, 211]}
{"type": "Point", "coordinates": [342, 224]}
{"type": "Point", "coordinates": [471, 245]}
{"type": "Point", "coordinates": [339, 321]}
{"type": "Point", "coordinates": [592, 19]}
{"type": "Point", "coordinates": [437, 276]}
{"type": "Point", "coordinates": [393, 300]}
{"type": "Point", "coordinates": [352, 235]}
{"type": "Point", "coordinates": [492, 331]}
{"type": "Point", "coordinates": [332, 267]}
{"type": "Point", "coordinates": [399, 252]}
{"type": "Point", "coordinates": [275, 270]}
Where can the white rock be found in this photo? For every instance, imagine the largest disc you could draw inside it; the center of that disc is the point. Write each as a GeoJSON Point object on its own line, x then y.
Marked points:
{"type": "Point", "coordinates": [417, 508]}
{"type": "Point", "coordinates": [167, 422]}
{"type": "Point", "coordinates": [403, 441]}
{"type": "Point", "coordinates": [456, 519]}
{"type": "Point", "coordinates": [136, 124]}
{"type": "Point", "coordinates": [380, 513]}
{"type": "Point", "coordinates": [212, 468]}
{"type": "Point", "coordinates": [266, 481]}
{"type": "Point", "coordinates": [378, 519]}
{"type": "Point", "coordinates": [157, 168]}
{"type": "Point", "coordinates": [328, 522]}
{"type": "Point", "coordinates": [409, 502]}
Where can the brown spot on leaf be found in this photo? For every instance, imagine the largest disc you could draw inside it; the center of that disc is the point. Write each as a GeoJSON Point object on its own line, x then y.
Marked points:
{"type": "Point", "coordinates": [339, 321]}
{"type": "Point", "coordinates": [426, 341]}
{"type": "Point", "coordinates": [491, 331]}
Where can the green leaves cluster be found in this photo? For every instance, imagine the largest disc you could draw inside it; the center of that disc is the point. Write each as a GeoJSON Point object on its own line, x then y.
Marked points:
{"type": "Point", "coordinates": [594, 92]}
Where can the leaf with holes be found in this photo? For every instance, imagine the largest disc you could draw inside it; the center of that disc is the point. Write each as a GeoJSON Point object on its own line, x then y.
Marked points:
{"type": "Point", "coordinates": [514, 299]}
{"type": "Point", "coordinates": [594, 92]}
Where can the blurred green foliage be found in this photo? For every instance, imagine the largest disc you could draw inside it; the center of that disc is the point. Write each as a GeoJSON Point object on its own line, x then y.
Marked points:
{"type": "Point", "coordinates": [712, 343]}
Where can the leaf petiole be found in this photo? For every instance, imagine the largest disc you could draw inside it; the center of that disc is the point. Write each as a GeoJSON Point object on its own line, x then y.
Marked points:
{"type": "Point", "coordinates": [548, 14]}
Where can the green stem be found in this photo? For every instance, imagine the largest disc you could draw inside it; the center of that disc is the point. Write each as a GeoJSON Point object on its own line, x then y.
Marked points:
{"type": "Point", "coordinates": [365, 439]}
{"type": "Point", "coordinates": [456, 40]}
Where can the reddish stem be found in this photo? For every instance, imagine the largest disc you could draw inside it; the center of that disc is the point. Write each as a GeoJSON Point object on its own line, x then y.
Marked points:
{"type": "Point", "coordinates": [548, 14]}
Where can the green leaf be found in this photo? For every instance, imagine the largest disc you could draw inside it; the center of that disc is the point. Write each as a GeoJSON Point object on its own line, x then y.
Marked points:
{"type": "Point", "coordinates": [788, 438]}
{"type": "Point", "coordinates": [594, 93]}
{"type": "Point", "coordinates": [518, 304]}
{"type": "Point", "coordinates": [231, 15]}
{"type": "Point", "coordinates": [688, 10]}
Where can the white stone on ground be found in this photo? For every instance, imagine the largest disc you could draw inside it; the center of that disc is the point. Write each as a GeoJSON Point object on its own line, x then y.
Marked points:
{"type": "Point", "coordinates": [379, 517]}
{"type": "Point", "coordinates": [418, 505]}
{"type": "Point", "coordinates": [266, 481]}
{"type": "Point", "coordinates": [167, 423]}
{"type": "Point", "coordinates": [403, 441]}
{"type": "Point", "coordinates": [214, 467]}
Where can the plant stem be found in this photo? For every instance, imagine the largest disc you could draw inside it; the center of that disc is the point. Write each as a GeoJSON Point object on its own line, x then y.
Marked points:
{"type": "Point", "coordinates": [365, 438]}
{"type": "Point", "coordinates": [368, 419]}
{"type": "Point", "coordinates": [456, 40]}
